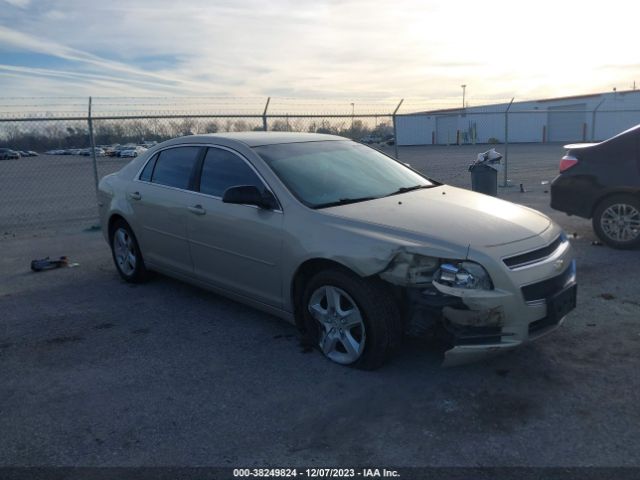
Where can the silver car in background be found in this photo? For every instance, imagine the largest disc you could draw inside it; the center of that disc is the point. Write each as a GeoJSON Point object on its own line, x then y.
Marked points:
{"type": "Point", "coordinates": [354, 247]}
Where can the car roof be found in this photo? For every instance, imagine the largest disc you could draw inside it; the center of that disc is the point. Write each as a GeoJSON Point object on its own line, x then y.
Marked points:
{"type": "Point", "coordinates": [256, 139]}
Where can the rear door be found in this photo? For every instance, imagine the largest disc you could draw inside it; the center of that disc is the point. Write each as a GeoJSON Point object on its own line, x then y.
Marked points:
{"type": "Point", "coordinates": [235, 247]}
{"type": "Point", "coordinates": [160, 199]}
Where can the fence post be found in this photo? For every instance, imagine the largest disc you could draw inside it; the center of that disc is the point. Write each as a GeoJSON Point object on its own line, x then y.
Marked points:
{"type": "Point", "coordinates": [593, 121]}
{"type": "Point", "coordinates": [506, 142]}
{"type": "Point", "coordinates": [93, 150]}
{"type": "Point", "coordinates": [264, 115]}
{"type": "Point", "coordinates": [395, 128]}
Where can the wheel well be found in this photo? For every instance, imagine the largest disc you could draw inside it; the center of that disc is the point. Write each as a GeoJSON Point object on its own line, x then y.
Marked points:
{"type": "Point", "coordinates": [304, 273]}
{"type": "Point", "coordinates": [112, 221]}
{"type": "Point", "coordinates": [629, 191]}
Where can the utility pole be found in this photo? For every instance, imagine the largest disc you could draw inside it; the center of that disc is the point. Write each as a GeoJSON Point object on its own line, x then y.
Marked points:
{"type": "Point", "coordinates": [464, 91]}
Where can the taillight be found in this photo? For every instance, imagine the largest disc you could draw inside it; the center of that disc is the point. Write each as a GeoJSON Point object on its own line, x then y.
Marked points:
{"type": "Point", "coordinates": [567, 162]}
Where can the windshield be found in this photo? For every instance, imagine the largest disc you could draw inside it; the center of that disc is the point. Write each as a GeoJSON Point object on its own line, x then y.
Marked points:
{"type": "Point", "coordinates": [324, 174]}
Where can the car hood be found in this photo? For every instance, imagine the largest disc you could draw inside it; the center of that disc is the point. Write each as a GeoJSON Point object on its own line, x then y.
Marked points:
{"type": "Point", "coordinates": [449, 214]}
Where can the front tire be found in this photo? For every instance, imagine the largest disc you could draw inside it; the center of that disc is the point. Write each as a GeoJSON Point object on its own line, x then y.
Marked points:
{"type": "Point", "coordinates": [616, 221]}
{"type": "Point", "coordinates": [353, 321]}
{"type": "Point", "coordinates": [126, 253]}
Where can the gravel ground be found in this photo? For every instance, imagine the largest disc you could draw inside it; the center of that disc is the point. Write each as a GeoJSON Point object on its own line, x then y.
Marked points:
{"type": "Point", "coordinates": [98, 372]}
{"type": "Point", "coordinates": [50, 194]}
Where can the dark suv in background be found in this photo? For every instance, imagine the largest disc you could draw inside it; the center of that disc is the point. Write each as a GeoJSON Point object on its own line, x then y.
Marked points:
{"type": "Point", "coordinates": [601, 181]}
{"type": "Point", "coordinates": [8, 154]}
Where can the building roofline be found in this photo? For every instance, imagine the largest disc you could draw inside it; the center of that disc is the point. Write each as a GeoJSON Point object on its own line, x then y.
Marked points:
{"type": "Point", "coordinates": [543, 100]}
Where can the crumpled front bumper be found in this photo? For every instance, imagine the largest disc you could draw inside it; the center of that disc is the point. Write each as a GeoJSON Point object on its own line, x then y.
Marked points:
{"type": "Point", "coordinates": [463, 354]}
{"type": "Point", "coordinates": [499, 321]}
{"type": "Point", "coordinates": [523, 306]}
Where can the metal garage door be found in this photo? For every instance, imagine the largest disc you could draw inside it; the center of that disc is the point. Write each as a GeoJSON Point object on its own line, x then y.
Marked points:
{"type": "Point", "coordinates": [566, 123]}
{"type": "Point", "coordinates": [446, 129]}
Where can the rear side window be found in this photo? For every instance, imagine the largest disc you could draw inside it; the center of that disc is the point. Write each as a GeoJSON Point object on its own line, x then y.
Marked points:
{"type": "Point", "coordinates": [222, 169]}
{"type": "Point", "coordinates": [145, 176]}
{"type": "Point", "coordinates": [174, 165]}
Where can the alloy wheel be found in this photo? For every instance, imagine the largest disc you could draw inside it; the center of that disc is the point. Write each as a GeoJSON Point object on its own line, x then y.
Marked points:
{"type": "Point", "coordinates": [621, 222]}
{"type": "Point", "coordinates": [124, 251]}
{"type": "Point", "coordinates": [342, 329]}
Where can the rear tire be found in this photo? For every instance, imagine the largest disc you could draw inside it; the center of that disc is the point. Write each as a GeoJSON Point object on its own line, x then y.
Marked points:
{"type": "Point", "coordinates": [616, 221]}
{"type": "Point", "coordinates": [126, 253]}
{"type": "Point", "coordinates": [360, 327]}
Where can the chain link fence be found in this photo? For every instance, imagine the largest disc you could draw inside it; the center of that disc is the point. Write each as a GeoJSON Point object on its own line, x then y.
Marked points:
{"type": "Point", "coordinates": [63, 152]}
{"type": "Point", "coordinates": [52, 185]}
{"type": "Point", "coordinates": [573, 120]}
{"type": "Point", "coordinates": [39, 191]}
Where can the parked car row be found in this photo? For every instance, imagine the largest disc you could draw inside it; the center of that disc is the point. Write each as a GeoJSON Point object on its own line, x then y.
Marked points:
{"type": "Point", "coordinates": [71, 151]}
{"type": "Point", "coordinates": [382, 140]}
{"type": "Point", "coordinates": [128, 150]}
{"type": "Point", "coordinates": [9, 154]}
{"type": "Point", "coordinates": [131, 152]}
{"type": "Point", "coordinates": [77, 151]}
{"type": "Point", "coordinates": [124, 151]}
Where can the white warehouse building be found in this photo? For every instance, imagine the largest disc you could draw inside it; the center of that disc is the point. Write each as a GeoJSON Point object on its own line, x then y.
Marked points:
{"type": "Point", "coordinates": [580, 118]}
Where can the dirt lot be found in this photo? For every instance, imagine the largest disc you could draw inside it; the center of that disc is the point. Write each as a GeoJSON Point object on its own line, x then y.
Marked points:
{"type": "Point", "coordinates": [98, 372]}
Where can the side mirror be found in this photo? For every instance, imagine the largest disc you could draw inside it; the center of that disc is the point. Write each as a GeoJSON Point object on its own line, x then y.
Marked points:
{"type": "Point", "coordinates": [250, 195]}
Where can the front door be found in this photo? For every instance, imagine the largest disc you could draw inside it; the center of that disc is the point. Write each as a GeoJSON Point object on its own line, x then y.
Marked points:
{"type": "Point", "coordinates": [236, 247]}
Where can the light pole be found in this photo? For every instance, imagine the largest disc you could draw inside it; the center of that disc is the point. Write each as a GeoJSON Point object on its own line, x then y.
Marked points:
{"type": "Point", "coordinates": [464, 91]}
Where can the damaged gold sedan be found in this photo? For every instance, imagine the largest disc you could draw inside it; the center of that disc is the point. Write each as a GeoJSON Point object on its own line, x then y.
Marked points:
{"type": "Point", "coordinates": [354, 247]}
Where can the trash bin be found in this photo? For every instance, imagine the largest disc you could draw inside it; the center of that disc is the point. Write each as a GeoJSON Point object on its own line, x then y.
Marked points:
{"type": "Point", "coordinates": [484, 179]}
{"type": "Point", "coordinates": [484, 173]}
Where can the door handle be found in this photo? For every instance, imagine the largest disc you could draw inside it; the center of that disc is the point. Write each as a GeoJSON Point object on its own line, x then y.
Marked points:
{"type": "Point", "coordinates": [197, 209]}
{"type": "Point", "coordinates": [135, 196]}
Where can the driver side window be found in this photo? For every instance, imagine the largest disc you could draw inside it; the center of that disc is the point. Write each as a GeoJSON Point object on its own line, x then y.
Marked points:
{"type": "Point", "coordinates": [222, 169]}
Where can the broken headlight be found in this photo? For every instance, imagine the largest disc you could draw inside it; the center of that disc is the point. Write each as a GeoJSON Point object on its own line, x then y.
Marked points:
{"type": "Point", "coordinates": [468, 275]}
{"type": "Point", "coordinates": [411, 269]}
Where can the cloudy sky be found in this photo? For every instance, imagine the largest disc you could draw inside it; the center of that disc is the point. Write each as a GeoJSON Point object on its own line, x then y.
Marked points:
{"type": "Point", "coordinates": [317, 49]}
